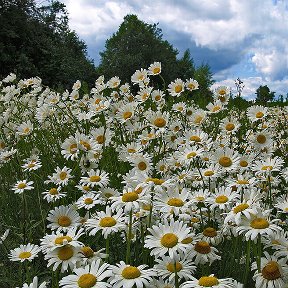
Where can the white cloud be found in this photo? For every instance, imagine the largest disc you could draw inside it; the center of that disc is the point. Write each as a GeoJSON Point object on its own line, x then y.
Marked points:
{"type": "Point", "coordinates": [249, 27]}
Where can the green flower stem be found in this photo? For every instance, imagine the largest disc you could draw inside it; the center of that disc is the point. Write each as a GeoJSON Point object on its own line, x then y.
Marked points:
{"type": "Point", "coordinates": [129, 236]}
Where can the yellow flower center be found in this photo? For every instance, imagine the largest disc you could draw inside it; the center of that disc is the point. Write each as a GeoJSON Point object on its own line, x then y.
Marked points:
{"type": "Point", "coordinates": [86, 188]}
{"type": "Point", "coordinates": [191, 86]}
{"type": "Point", "coordinates": [259, 114]}
{"type": "Point", "coordinates": [61, 239]}
{"type": "Point", "coordinates": [131, 150]}
{"type": "Point", "coordinates": [62, 175]}
{"type": "Point", "coordinates": [268, 167]}
{"type": "Point", "coordinates": [53, 191]}
{"type": "Point", "coordinates": [95, 178]}
{"type": "Point", "coordinates": [229, 126]}
{"type": "Point", "coordinates": [243, 163]}
{"type": "Point", "coordinates": [216, 108]}
{"type": "Point", "coordinates": [225, 161]}
{"type": "Point", "coordinates": [242, 181]}
{"type": "Point", "coordinates": [107, 222]}
{"type": "Point", "coordinates": [131, 272]}
{"type": "Point", "coordinates": [208, 173]}
{"type": "Point", "coordinates": [65, 253]}
{"type": "Point", "coordinates": [31, 165]}
{"type": "Point", "coordinates": [21, 185]}
{"type": "Point", "coordinates": [240, 208]}
{"type": "Point", "coordinates": [174, 267]}
{"type": "Point", "coordinates": [156, 181]}
{"type": "Point", "coordinates": [87, 251]}
{"type": "Point", "coordinates": [208, 281]}
{"type": "Point", "coordinates": [87, 280]}
{"type": "Point", "coordinates": [271, 271]}
{"type": "Point", "coordinates": [160, 122]}
{"type": "Point", "coordinates": [147, 207]}
{"type": "Point", "coordinates": [2, 145]}
{"type": "Point", "coordinates": [259, 223]}
{"type": "Point", "coordinates": [198, 119]}
{"type": "Point", "coordinates": [64, 221]}
{"type": "Point", "coordinates": [142, 166]}
{"type": "Point", "coordinates": [156, 70]}
{"type": "Point", "coordinates": [195, 138]}
{"type": "Point", "coordinates": [210, 232]}
{"type": "Point", "coordinates": [178, 88]}
{"type": "Point", "coordinates": [169, 240]}
{"type": "Point", "coordinates": [88, 201]}
{"type": "Point", "coordinates": [191, 155]}
{"type": "Point", "coordinates": [202, 247]}
{"type": "Point", "coordinates": [130, 197]}
{"type": "Point", "coordinates": [24, 255]}
{"type": "Point", "coordinates": [100, 139]}
{"type": "Point", "coordinates": [199, 198]}
{"type": "Point", "coordinates": [261, 139]}
{"type": "Point", "coordinates": [73, 148]}
{"type": "Point", "coordinates": [127, 115]}
{"type": "Point", "coordinates": [157, 97]}
{"type": "Point", "coordinates": [177, 202]}
{"type": "Point", "coordinates": [86, 145]}
{"type": "Point", "coordinates": [26, 130]}
{"type": "Point", "coordinates": [187, 240]}
{"type": "Point", "coordinates": [195, 220]}
{"type": "Point", "coordinates": [221, 199]}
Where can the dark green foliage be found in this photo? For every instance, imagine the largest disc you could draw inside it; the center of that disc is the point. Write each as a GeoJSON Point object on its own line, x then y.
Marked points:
{"type": "Point", "coordinates": [36, 41]}
{"type": "Point", "coordinates": [137, 44]}
{"type": "Point", "coordinates": [264, 95]}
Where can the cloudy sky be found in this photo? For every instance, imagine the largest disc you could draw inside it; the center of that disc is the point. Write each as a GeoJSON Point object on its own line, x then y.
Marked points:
{"type": "Point", "coordinates": [237, 38]}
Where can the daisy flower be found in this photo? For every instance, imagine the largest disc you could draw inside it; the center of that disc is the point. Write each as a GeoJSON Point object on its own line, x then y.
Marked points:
{"type": "Point", "coordinates": [268, 165]}
{"type": "Point", "coordinates": [158, 119]}
{"type": "Point", "coordinates": [168, 238]}
{"type": "Point", "coordinates": [209, 281]}
{"type": "Point", "coordinates": [273, 272]}
{"type": "Point", "coordinates": [22, 185]}
{"type": "Point", "coordinates": [191, 84]}
{"type": "Point", "coordinates": [228, 159]}
{"type": "Point", "coordinates": [215, 107]}
{"type": "Point", "coordinates": [126, 112]}
{"type": "Point", "coordinates": [139, 76]}
{"type": "Point", "coordinates": [257, 112]}
{"type": "Point", "coordinates": [173, 201]}
{"type": "Point", "coordinates": [141, 163]}
{"type": "Point", "coordinates": [222, 93]}
{"type": "Point", "coordinates": [106, 222]}
{"type": "Point", "coordinates": [198, 117]}
{"type": "Point", "coordinates": [124, 275]}
{"type": "Point", "coordinates": [55, 240]}
{"type": "Point", "coordinates": [176, 88]}
{"type": "Point", "coordinates": [70, 148]}
{"type": "Point", "coordinates": [229, 125]}
{"type": "Point", "coordinates": [202, 252]}
{"type": "Point", "coordinates": [67, 256]}
{"type": "Point", "coordinates": [24, 252]}
{"type": "Point", "coordinates": [88, 201]}
{"type": "Point", "coordinates": [35, 284]}
{"type": "Point", "coordinates": [130, 200]}
{"type": "Point", "coordinates": [62, 218]}
{"type": "Point", "coordinates": [60, 177]}
{"type": "Point", "coordinates": [25, 128]}
{"type": "Point", "coordinates": [32, 164]}
{"type": "Point", "coordinates": [114, 82]}
{"type": "Point", "coordinates": [155, 68]}
{"type": "Point", "coordinates": [223, 198]}
{"type": "Point", "coordinates": [53, 194]}
{"type": "Point", "coordinates": [166, 267]}
{"type": "Point", "coordinates": [96, 178]}
{"type": "Point", "coordinates": [258, 224]}
{"type": "Point", "coordinates": [210, 235]}
{"type": "Point", "coordinates": [89, 276]}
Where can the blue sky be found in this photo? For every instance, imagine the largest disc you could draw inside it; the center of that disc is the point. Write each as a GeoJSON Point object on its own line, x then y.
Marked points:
{"type": "Point", "coordinates": [246, 39]}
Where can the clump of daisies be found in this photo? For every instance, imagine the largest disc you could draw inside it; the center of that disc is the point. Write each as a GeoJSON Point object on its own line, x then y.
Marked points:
{"type": "Point", "coordinates": [130, 185]}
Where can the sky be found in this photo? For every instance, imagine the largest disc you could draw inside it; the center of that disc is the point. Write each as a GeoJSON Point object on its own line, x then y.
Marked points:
{"type": "Point", "coordinates": [236, 38]}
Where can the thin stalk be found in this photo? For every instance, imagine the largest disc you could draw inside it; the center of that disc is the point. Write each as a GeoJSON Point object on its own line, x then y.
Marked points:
{"type": "Point", "coordinates": [128, 251]}
{"type": "Point", "coordinates": [247, 268]}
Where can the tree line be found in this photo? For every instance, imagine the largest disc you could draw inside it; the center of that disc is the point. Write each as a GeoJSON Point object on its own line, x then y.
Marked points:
{"type": "Point", "coordinates": [36, 41]}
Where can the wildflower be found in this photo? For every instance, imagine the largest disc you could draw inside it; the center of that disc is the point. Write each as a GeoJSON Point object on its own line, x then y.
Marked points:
{"type": "Point", "coordinates": [124, 275]}
{"type": "Point", "coordinates": [62, 218]}
{"type": "Point", "coordinates": [155, 68]}
{"type": "Point", "coordinates": [96, 178]}
{"type": "Point", "coordinates": [88, 201]}
{"type": "Point", "coordinates": [35, 284]}
{"type": "Point", "coordinates": [24, 252]}
{"type": "Point", "coordinates": [91, 275]}
{"type": "Point", "coordinates": [176, 88]}
{"type": "Point", "coordinates": [22, 185]}
{"type": "Point", "coordinates": [209, 281]}
{"type": "Point", "coordinates": [168, 238]}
